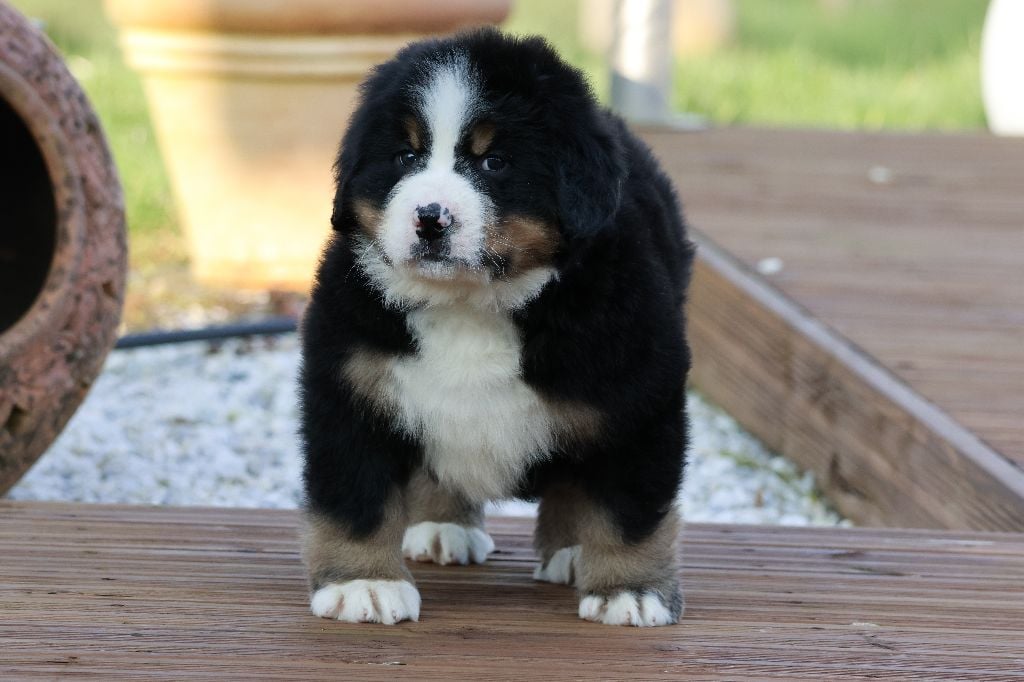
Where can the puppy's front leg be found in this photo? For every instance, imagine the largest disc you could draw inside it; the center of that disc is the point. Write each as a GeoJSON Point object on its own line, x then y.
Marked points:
{"type": "Point", "coordinates": [356, 473]}
{"type": "Point", "coordinates": [359, 579]}
{"type": "Point", "coordinates": [629, 582]}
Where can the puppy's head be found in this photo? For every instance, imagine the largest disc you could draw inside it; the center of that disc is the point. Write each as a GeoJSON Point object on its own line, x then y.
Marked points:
{"type": "Point", "coordinates": [475, 162]}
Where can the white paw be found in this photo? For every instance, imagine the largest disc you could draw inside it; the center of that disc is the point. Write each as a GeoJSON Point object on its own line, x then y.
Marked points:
{"type": "Point", "coordinates": [624, 608]}
{"type": "Point", "coordinates": [560, 568]}
{"type": "Point", "coordinates": [367, 601]}
{"type": "Point", "coordinates": [446, 543]}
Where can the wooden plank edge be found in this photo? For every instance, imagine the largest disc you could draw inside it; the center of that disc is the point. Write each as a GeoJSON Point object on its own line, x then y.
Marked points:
{"type": "Point", "coordinates": [884, 454]}
{"type": "Point", "coordinates": [78, 518]}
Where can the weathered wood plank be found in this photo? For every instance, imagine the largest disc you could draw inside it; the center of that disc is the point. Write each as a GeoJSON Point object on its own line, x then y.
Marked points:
{"type": "Point", "coordinates": [884, 455]}
{"type": "Point", "coordinates": [163, 593]}
{"type": "Point", "coordinates": [887, 356]}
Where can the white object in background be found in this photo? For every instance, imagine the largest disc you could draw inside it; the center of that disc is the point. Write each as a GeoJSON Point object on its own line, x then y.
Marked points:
{"type": "Point", "coordinates": [770, 266]}
{"type": "Point", "coordinates": [641, 57]}
{"type": "Point", "coordinates": [699, 27]}
{"type": "Point", "coordinates": [1002, 67]}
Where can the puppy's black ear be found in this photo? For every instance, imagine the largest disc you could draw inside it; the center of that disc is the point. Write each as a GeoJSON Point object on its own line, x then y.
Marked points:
{"type": "Point", "coordinates": [376, 93]}
{"type": "Point", "coordinates": [342, 172]}
{"type": "Point", "coordinates": [590, 175]}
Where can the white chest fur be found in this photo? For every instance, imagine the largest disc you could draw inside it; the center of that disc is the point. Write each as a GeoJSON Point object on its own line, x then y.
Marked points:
{"type": "Point", "coordinates": [463, 395]}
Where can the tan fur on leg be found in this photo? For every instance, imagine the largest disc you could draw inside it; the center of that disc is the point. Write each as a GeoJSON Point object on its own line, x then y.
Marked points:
{"type": "Point", "coordinates": [332, 554]}
{"type": "Point", "coordinates": [620, 582]}
{"type": "Point", "coordinates": [609, 563]}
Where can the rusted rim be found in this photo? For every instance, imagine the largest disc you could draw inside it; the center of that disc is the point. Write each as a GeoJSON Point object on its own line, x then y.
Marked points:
{"type": "Point", "coordinates": [50, 356]}
{"type": "Point", "coordinates": [53, 299]}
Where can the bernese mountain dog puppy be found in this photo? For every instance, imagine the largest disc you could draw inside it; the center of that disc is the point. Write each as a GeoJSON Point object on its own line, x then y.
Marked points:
{"type": "Point", "coordinates": [498, 314]}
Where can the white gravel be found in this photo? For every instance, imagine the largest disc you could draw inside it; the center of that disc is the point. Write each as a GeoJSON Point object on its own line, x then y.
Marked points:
{"type": "Point", "coordinates": [202, 424]}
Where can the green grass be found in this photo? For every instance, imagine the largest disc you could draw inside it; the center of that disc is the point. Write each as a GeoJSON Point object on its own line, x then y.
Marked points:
{"type": "Point", "coordinates": [874, 64]}
{"type": "Point", "coordinates": [89, 43]}
{"type": "Point", "coordinates": [880, 64]}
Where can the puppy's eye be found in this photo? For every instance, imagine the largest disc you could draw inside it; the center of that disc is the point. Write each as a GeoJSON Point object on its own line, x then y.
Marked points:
{"type": "Point", "coordinates": [406, 158]}
{"type": "Point", "coordinates": [493, 164]}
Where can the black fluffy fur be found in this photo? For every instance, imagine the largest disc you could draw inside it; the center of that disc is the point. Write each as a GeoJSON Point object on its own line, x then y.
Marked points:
{"type": "Point", "coordinates": [609, 332]}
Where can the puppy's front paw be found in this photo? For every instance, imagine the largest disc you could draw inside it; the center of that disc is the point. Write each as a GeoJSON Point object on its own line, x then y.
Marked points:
{"type": "Point", "coordinates": [367, 601]}
{"type": "Point", "coordinates": [560, 568]}
{"type": "Point", "coordinates": [627, 608]}
{"type": "Point", "coordinates": [446, 543]}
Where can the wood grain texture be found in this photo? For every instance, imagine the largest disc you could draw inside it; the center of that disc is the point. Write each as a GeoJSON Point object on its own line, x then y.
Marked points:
{"type": "Point", "coordinates": [171, 593]}
{"type": "Point", "coordinates": [887, 356]}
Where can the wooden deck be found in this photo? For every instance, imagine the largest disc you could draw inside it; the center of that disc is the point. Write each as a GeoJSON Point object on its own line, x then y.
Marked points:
{"type": "Point", "coordinates": [887, 355]}
{"type": "Point", "coordinates": [170, 593]}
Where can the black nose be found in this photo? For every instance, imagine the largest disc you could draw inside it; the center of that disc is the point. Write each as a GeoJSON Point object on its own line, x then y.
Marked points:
{"type": "Point", "coordinates": [432, 221]}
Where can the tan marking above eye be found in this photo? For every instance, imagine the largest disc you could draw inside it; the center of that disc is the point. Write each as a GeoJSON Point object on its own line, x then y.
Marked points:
{"type": "Point", "coordinates": [412, 129]}
{"type": "Point", "coordinates": [480, 138]}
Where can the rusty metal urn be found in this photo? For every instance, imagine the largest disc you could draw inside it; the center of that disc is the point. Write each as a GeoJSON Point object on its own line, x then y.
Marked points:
{"type": "Point", "coordinates": [62, 246]}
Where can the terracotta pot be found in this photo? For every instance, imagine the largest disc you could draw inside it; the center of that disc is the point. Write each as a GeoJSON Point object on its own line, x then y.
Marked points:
{"type": "Point", "coordinates": [249, 99]}
{"type": "Point", "coordinates": [62, 246]}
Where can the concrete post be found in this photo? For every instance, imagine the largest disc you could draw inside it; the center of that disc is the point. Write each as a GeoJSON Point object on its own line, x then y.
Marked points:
{"type": "Point", "coordinates": [641, 60]}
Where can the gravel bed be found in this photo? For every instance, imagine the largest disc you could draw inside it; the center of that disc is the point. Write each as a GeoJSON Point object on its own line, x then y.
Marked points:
{"type": "Point", "coordinates": [215, 424]}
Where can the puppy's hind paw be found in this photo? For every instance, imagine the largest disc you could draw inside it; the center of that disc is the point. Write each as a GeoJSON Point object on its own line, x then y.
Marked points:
{"type": "Point", "coordinates": [560, 568]}
{"type": "Point", "coordinates": [446, 543]}
{"type": "Point", "coordinates": [367, 601]}
{"type": "Point", "coordinates": [627, 608]}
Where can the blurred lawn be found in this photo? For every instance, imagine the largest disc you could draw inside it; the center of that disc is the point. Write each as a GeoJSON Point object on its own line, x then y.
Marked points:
{"type": "Point", "coordinates": [89, 43]}
{"type": "Point", "coordinates": [896, 64]}
{"type": "Point", "coordinates": [868, 64]}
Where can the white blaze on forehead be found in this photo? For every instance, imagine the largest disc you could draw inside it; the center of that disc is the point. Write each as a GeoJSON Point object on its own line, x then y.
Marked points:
{"type": "Point", "coordinates": [447, 101]}
{"type": "Point", "coordinates": [447, 104]}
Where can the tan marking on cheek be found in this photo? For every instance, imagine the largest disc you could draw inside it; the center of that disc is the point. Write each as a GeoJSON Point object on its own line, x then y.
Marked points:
{"type": "Point", "coordinates": [412, 130]}
{"type": "Point", "coordinates": [369, 216]}
{"type": "Point", "coordinates": [480, 138]}
{"type": "Point", "coordinates": [526, 243]}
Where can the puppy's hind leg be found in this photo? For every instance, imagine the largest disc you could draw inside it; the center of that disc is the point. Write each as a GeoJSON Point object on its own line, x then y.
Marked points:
{"type": "Point", "coordinates": [444, 527]}
{"type": "Point", "coordinates": [562, 508]}
{"type": "Point", "coordinates": [356, 473]}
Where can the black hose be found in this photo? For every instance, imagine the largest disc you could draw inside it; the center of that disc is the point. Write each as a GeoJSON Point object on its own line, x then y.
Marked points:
{"type": "Point", "coordinates": [271, 325]}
